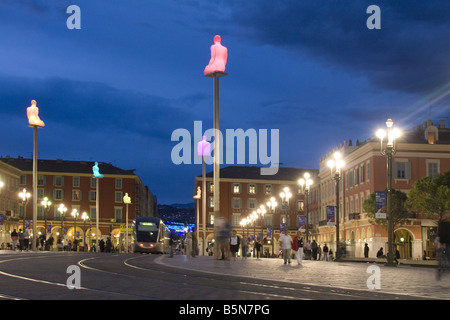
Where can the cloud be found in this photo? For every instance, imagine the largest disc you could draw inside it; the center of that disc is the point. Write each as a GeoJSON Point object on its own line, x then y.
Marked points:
{"type": "Point", "coordinates": [93, 106]}
{"type": "Point", "coordinates": [408, 54]}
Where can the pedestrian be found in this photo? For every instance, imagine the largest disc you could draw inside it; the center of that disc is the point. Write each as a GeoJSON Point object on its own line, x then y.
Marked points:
{"type": "Point", "coordinates": [26, 239]}
{"type": "Point", "coordinates": [171, 244]}
{"type": "Point", "coordinates": [194, 242]}
{"type": "Point", "coordinates": [21, 246]}
{"type": "Point", "coordinates": [319, 252]}
{"type": "Point", "coordinates": [314, 249]}
{"type": "Point", "coordinates": [397, 256]}
{"type": "Point", "coordinates": [325, 252]}
{"type": "Point", "coordinates": [14, 238]}
{"type": "Point", "coordinates": [188, 244]}
{"type": "Point", "coordinates": [286, 245]}
{"type": "Point", "coordinates": [258, 249]}
{"type": "Point", "coordinates": [297, 246]}
{"type": "Point", "coordinates": [234, 244]}
{"type": "Point", "coordinates": [366, 250]}
{"type": "Point", "coordinates": [308, 250]}
{"type": "Point", "coordinates": [380, 253]}
{"type": "Point", "coordinates": [244, 242]}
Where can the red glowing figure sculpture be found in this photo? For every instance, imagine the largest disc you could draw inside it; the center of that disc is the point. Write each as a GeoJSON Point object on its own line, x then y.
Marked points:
{"type": "Point", "coordinates": [219, 55]}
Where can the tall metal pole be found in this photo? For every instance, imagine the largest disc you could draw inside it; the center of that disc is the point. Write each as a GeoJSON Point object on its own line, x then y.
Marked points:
{"type": "Point", "coordinates": [306, 214]}
{"type": "Point", "coordinates": [390, 253]}
{"type": "Point", "coordinates": [203, 204]}
{"type": "Point", "coordinates": [126, 233]}
{"type": "Point", "coordinates": [216, 179]}
{"type": "Point", "coordinates": [97, 212]}
{"type": "Point", "coordinates": [34, 248]}
{"type": "Point", "coordinates": [337, 178]}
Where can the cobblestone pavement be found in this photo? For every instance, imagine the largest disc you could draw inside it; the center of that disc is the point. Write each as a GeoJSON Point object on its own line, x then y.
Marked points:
{"type": "Point", "coordinates": [404, 279]}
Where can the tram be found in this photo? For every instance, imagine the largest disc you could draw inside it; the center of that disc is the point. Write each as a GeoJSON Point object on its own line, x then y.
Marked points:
{"type": "Point", "coordinates": [150, 235]}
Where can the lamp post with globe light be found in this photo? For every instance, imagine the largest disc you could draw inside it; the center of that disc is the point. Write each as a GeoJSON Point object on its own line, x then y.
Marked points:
{"type": "Point", "coordinates": [390, 150]}
{"type": "Point", "coordinates": [336, 166]}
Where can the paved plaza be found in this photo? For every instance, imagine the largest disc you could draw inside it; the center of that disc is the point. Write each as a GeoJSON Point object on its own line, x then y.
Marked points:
{"type": "Point", "coordinates": [411, 280]}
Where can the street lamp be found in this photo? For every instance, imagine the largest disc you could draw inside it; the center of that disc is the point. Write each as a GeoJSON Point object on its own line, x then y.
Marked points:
{"type": "Point", "coordinates": [84, 217]}
{"type": "Point", "coordinates": [46, 204]}
{"type": "Point", "coordinates": [336, 167]}
{"type": "Point", "coordinates": [62, 210]}
{"type": "Point", "coordinates": [75, 215]}
{"type": "Point", "coordinates": [24, 195]}
{"type": "Point", "coordinates": [127, 201]}
{"type": "Point", "coordinates": [305, 186]}
{"type": "Point", "coordinates": [285, 196]}
{"type": "Point", "coordinates": [389, 151]}
{"type": "Point", "coordinates": [272, 204]}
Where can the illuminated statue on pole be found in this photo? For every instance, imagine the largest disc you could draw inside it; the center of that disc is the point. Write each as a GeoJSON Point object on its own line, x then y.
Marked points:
{"type": "Point", "coordinates": [219, 55]}
{"type": "Point", "coordinates": [96, 171]}
{"type": "Point", "coordinates": [32, 114]}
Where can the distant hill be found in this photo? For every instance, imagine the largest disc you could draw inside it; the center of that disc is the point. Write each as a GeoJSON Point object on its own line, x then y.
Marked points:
{"type": "Point", "coordinates": [184, 205]}
{"type": "Point", "coordinates": [177, 213]}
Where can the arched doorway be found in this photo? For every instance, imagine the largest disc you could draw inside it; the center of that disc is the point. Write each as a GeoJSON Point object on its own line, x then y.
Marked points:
{"type": "Point", "coordinates": [403, 239]}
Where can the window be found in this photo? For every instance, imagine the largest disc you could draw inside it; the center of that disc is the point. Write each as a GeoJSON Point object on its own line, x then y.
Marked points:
{"type": "Point", "coordinates": [211, 202]}
{"type": "Point", "coordinates": [401, 170]}
{"type": "Point", "coordinates": [118, 183]}
{"type": "Point", "coordinates": [236, 203]}
{"type": "Point", "coordinates": [118, 214]}
{"type": "Point", "coordinates": [118, 196]}
{"type": "Point", "coordinates": [40, 194]}
{"type": "Point", "coordinates": [252, 203]}
{"type": "Point", "coordinates": [58, 181]}
{"type": "Point", "coordinates": [252, 189]}
{"type": "Point", "coordinates": [76, 195]}
{"type": "Point", "coordinates": [211, 187]}
{"type": "Point", "coordinates": [41, 180]}
{"type": "Point", "coordinates": [235, 219]}
{"type": "Point", "coordinates": [368, 171]}
{"type": "Point", "coordinates": [268, 189]}
{"type": "Point", "coordinates": [93, 182]}
{"type": "Point", "coordinates": [92, 195]}
{"type": "Point", "coordinates": [93, 213]}
{"type": "Point", "coordinates": [236, 188]}
{"type": "Point", "coordinates": [23, 179]}
{"type": "Point", "coordinates": [58, 194]}
{"type": "Point", "coordinates": [432, 169]}
{"type": "Point", "coordinates": [300, 205]}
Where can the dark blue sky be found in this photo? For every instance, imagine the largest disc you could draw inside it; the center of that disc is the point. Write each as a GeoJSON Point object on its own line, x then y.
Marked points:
{"type": "Point", "coordinates": [115, 90]}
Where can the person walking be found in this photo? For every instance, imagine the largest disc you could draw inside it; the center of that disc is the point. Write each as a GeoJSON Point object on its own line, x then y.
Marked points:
{"type": "Point", "coordinates": [308, 250]}
{"type": "Point", "coordinates": [21, 246]}
{"type": "Point", "coordinates": [314, 249]}
{"type": "Point", "coordinates": [258, 249]}
{"type": "Point", "coordinates": [244, 242]}
{"type": "Point", "coordinates": [325, 252]}
{"type": "Point", "coordinates": [14, 238]}
{"type": "Point", "coordinates": [26, 239]}
{"type": "Point", "coordinates": [234, 244]}
{"type": "Point", "coordinates": [297, 246]}
{"type": "Point", "coordinates": [286, 245]}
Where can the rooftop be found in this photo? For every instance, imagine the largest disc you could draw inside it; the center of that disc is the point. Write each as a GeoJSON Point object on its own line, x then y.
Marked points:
{"type": "Point", "coordinates": [66, 166]}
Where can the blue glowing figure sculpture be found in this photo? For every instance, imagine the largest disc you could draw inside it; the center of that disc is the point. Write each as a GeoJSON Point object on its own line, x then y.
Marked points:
{"type": "Point", "coordinates": [96, 171]}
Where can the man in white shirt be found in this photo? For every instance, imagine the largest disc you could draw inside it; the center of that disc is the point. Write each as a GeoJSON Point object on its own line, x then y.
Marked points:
{"type": "Point", "coordinates": [286, 245]}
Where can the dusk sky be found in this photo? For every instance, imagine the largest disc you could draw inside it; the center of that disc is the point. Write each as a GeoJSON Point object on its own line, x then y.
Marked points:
{"type": "Point", "coordinates": [116, 89]}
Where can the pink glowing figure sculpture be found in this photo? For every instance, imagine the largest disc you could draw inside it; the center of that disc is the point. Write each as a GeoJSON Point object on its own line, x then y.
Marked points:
{"type": "Point", "coordinates": [219, 55]}
{"type": "Point", "coordinates": [204, 148]}
{"type": "Point", "coordinates": [32, 114]}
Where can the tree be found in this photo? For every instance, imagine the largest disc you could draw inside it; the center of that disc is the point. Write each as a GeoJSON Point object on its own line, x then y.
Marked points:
{"type": "Point", "coordinates": [430, 196]}
{"type": "Point", "coordinates": [399, 212]}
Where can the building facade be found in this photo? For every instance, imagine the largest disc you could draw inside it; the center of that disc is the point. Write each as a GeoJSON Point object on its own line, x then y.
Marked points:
{"type": "Point", "coordinates": [71, 183]}
{"type": "Point", "coordinates": [244, 190]}
{"type": "Point", "coordinates": [422, 151]}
